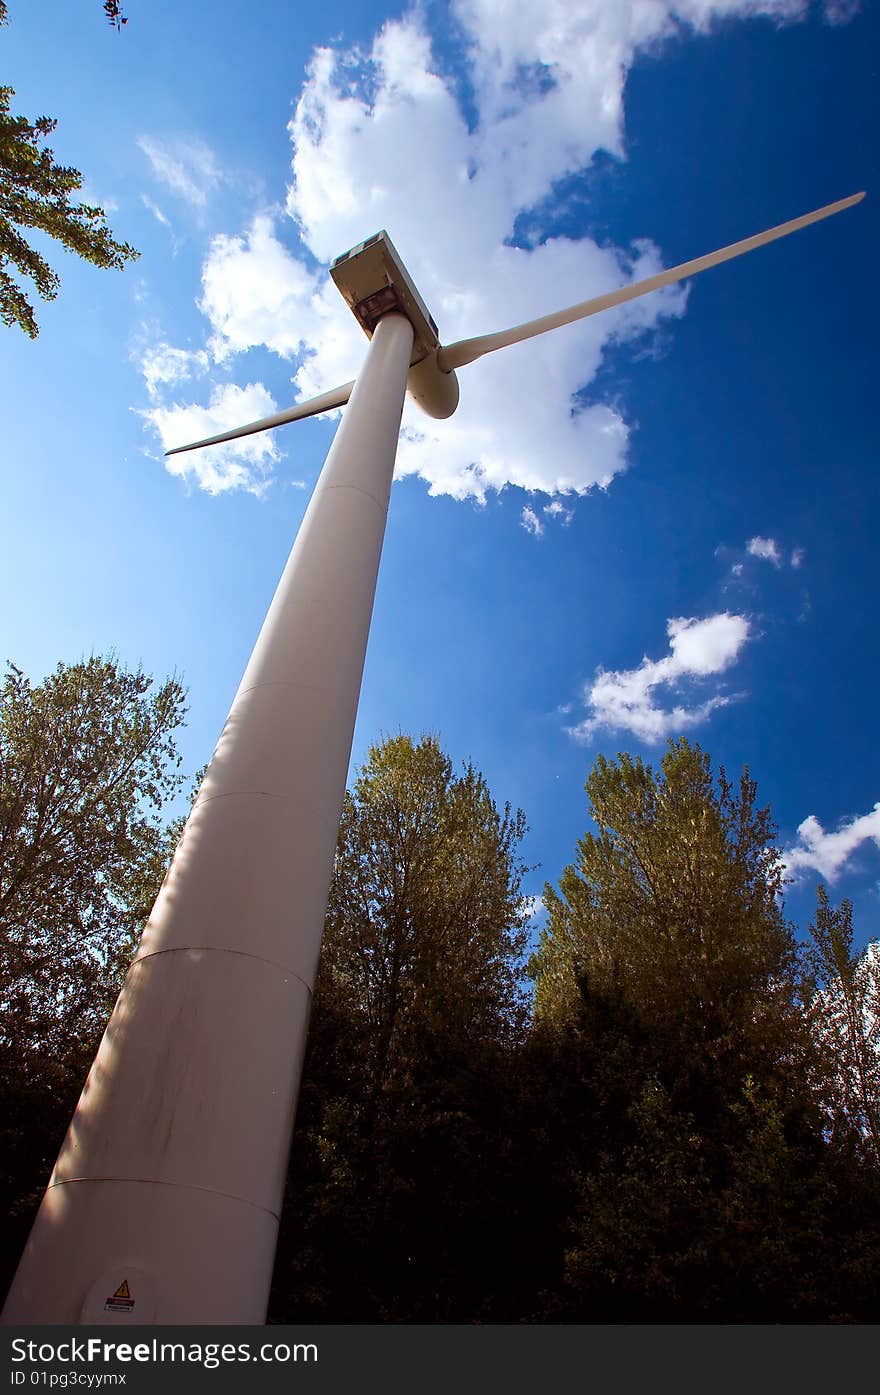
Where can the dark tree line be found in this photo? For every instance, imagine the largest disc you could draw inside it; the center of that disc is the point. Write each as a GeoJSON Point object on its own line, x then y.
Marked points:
{"type": "Point", "coordinates": [670, 1112]}
{"type": "Point", "coordinates": [88, 761]}
{"type": "Point", "coordinates": [683, 1127]}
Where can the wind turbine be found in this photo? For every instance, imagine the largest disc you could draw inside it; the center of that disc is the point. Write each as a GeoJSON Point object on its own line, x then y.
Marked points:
{"type": "Point", "coordinates": [164, 1203]}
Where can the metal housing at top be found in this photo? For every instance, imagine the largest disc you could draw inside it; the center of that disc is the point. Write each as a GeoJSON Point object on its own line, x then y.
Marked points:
{"type": "Point", "coordinates": [373, 280]}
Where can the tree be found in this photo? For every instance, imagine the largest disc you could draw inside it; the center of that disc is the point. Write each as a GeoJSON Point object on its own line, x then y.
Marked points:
{"type": "Point", "coordinates": [398, 1166]}
{"type": "Point", "coordinates": [87, 765]}
{"type": "Point", "coordinates": [673, 907]}
{"type": "Point", "coordinates": [668, 981]}
{"type": "Point", "coordinates": [113, 11]}
{"type": "Point", "coordinates": [655, 1148]}
{"type": "Point", "coordinates": [36, 195]}
{"type": "Point", "coordinates": [845, 1015]}
{"type": "Point", "coordinates": [424, 921]}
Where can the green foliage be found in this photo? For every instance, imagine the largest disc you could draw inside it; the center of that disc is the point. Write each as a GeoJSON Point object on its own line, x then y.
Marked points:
{"type": "Point", "coordinates": [844, 1013]}
{"type": "Point", "coordinates": [397, 1164]}
{"type": "Point", "coordinates": [655, 1149]}
{"type": "Point", "coordinates": [670, 980]}
{"type": "Point", "coordinates": [424, 922]}
{"type": "Point", "coordinates": [36, 197]}
{"type": "Point", "coordinates": [686, 1130]}
{"type": "Point", "coordinates": [113, 11]}
{"type": "Point", "coordinates": [673, 908]}
{"type": "Point", "coordinates": [87, 763]}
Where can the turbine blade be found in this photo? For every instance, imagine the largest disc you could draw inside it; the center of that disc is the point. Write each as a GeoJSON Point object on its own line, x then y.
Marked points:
{"type": "Point", "coordinates": [465, 351]}
{"type": "Point", "coordinates": [325, 402]}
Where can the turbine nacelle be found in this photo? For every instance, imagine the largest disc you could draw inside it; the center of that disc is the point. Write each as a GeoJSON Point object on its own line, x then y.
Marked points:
{"type": "Point", "coordinates": [373, 282]}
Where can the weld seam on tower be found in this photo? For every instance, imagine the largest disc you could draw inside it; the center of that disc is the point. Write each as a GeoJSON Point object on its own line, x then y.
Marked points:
{"type": "Point", "coordinates": [221, 949]}
{"type": "Point", "coordinates": [326, 489]}
{"type": "Point", "coordinates": [278, 683]}
{"type": "Point", "coordinates": [254, 794]}
{"type": "Point", "coordinates": [174, 1186]}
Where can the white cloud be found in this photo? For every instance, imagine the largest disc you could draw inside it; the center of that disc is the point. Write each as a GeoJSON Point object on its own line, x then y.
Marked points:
{"type": "Point", "coordinates": [358, 123]}
{"type": "Point", "coordinates": [556, 509]}
{"type": "Point", "coordinates": [188, 167]}
{"type": "Point", "coordinates": [156, 211]}
{"type": "Point", "coordinates": [85, 194]}
{"type": "Point", "coordinates": [828, 853]}
{"type": "Point", "coordinates": [255, 293]}
{"type": "Point", "coordinates": [533, 906]}
{"type": "Point", "coordinates": [242, 464]}
{"type": "Point", "coordinates": [766, 548]}
{"type": "Point", "coordinates": [625, 700]}
{"type": "Point", "coordinates": [841, 11]}
{"type": "Point", "coordinates": [769, 550]}
{"type": "Point", "coordinates": [163, 365]}
{"type": "Point", "coordinates": [380, 139]}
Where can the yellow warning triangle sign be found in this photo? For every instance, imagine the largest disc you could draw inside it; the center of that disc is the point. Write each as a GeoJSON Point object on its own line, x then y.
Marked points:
{"type": "Point", "coordinates": [123, 1290]}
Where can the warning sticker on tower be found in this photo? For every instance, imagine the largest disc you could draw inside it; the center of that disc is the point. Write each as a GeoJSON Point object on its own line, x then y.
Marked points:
{"type": "Point", "coordinates": [121, 1301]}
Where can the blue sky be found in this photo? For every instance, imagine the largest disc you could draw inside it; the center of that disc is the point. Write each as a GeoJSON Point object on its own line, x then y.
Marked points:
{"type": "Point", "coordinates": [656, 523]}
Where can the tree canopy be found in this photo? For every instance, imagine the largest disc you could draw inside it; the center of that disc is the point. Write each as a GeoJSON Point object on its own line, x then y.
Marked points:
{"type": "Point", "coordinates": [424, 922]}
{"type": "Point", "coordinates": [845, 1016]}
{"type": "Point", "coordinates": [113, 11]}
{"type": "Point", "coordinates": [37, 195]}
{"type": "Point", "coordinates": [87, 763]}
{"type": "Point", "coordinates": [88, 766]}
{"type": "Point", "coordinates": [653, 1146]}
{"type": "Point", "coordinates": [671, 985]}
{"type": "Point", "coordinates": [680, 1126]}
{"type": "Point", "coordinates": [418, 999]}
{"type": "Point", "coordinates": [673, 908]}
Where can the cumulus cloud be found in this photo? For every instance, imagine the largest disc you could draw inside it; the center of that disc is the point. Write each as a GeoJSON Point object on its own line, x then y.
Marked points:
{"type": "Point", "coordinates": [188, 167]}
{"type": "Point", "coordinates": [243, 464]}
{"type": "Point", "coordinates": [254, 292]}
{"type": "Point", "coordinates": [381, 139]}
{"type": "Point", "coordinates": [359, 121]}
{"type": "Point", "coordinates": [556, 509]}
{"type": "Point", "coordinates": [769, 550]}
{"type": "Point", "coordinates": [555, 512]}
{"type": "Point", "coordinates": [531, 522]}
{"type": "Point", "coordinates": [625, 700]}
{"type": "Point", "coordinates": [163, 365]}
{"type": "Point", "coordinates": [828, 853]}
{"type": "Point", "coordinates": [780, 556]}
{"type": "Point", "coordinates": [766, 548]}
{"type": "Point", "coordinates": [841, 11]}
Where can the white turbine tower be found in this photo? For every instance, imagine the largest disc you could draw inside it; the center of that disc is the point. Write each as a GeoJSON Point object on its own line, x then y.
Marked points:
{"type": "Point", "coordinates": [163, 1206]}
